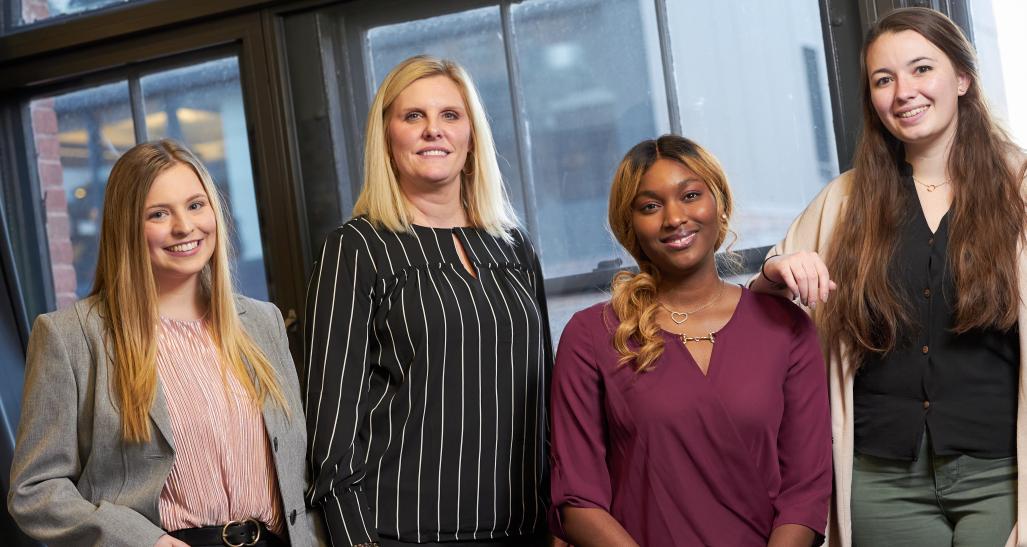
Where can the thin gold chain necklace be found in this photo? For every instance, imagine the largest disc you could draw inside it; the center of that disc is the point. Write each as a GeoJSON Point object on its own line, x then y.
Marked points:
{"type": "Point", "coordinates": [930, 187]}
{"type": "Point", "coordinates": [679, 317]}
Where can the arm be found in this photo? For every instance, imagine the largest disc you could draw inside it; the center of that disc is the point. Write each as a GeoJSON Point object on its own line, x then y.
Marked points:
{"type": "Point", "coordinates": [581, 489]}
{"type": "Point", "coordinates": [803, 443]}
{"type": "Point", "coordinates": [338, 316]}
{"type": "Point", "coordinates": [794, 268]}
{"type": "Point", "coordinates": [44, 499]}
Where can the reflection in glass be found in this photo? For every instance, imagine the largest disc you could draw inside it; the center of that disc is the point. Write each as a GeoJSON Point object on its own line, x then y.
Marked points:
{"type": "Point", "coordinates": [32, 11]}
{"type": "Point", "coordinates": [78, 137]}
{"type": "Point", "coordinates": [473, 38]}
{"type": "Point", "coordinates": [593, 87]}
{"type": "Point", "coordinates": [757, 97]}
{"type": "Point", "coordinates": [201, 106]}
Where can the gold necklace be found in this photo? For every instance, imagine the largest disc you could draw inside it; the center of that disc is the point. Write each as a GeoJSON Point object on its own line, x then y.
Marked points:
{"type": "Point", "coordinates": [711, 338]}
{"type": "Point", "coordinates": [679, 317]}
{"type": "Point", "coordinates": [930, 187]}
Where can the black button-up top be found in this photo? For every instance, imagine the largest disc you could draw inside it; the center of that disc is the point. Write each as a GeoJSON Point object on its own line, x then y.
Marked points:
{"type": "Point", "coordinates": [963, 388]}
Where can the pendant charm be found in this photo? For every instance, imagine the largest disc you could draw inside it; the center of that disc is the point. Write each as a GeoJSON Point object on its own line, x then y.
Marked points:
{"type": "Point", "coordinates": [931, 187]}
{"type": "Point", "coordinates": [678, 317]}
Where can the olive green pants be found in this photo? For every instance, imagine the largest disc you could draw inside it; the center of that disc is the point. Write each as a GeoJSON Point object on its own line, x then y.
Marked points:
{"type": "Point", "coordinates": [935, 501]}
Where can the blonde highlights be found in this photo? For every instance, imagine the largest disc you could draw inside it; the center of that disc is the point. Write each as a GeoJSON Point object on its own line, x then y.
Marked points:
{"type": "Point", "coordinates": [481, 190]}
{"type": "Point", "coordinates": [126, 290]}
{"type": "Point", "coordinates": [634, 295]}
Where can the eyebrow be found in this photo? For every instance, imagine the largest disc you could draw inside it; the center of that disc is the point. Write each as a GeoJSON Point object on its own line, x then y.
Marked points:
{"type": "Point", "coordinates": [913, 62]}
{"type": "Point", "coordinates": [167, 206]}
{"type": "Point", "coordinates": [651, 194]}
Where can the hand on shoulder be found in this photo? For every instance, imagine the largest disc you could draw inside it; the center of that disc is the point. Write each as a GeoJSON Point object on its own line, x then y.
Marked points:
{"type": "Point", "coordinates": [804, 273]}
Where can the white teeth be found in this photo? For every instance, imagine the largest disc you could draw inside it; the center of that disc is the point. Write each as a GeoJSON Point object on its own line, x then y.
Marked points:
{"type": "Point", "coordinates": [913, 112]}
{"type": "Point", "coordinates": [183, 247]}
{"type": "Point", "coordinates": [433, 153]}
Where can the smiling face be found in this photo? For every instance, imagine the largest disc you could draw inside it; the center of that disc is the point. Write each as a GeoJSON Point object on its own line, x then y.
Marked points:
{"type": "Point", "coordinates": [914, 88]}
{"type": "Point", "coordinates": [429, 132]}
{"type": "Point", "coordinates": [675, 219]}
{"type": "Point", "coordinates": [179, 225]}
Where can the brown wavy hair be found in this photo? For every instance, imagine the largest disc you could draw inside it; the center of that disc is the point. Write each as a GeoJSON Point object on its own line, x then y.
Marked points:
{"type": "Point", "coordinates": [987, 215]}
{"type": "Point", "coordinates": [126, 291]}
{"type": "Point", "coordinates": [634, 295]}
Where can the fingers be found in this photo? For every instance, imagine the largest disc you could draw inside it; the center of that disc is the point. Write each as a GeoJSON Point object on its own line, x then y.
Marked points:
{"type": "Point", "coordinates": [805, 274]}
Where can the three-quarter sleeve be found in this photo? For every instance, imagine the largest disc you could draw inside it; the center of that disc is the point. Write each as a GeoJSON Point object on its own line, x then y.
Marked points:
{"type": "Point", "coordinates": [804, 439]}
{"type": "Point", "coordinates": [580, 477]}
{"type": "Point", "coordinates": [339, 313]}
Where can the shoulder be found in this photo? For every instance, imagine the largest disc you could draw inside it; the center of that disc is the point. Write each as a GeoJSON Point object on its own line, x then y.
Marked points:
{"type": "Point", "coordinates": [357, 233]}
{"type": "Point", "coordinates": [257, 310]}
{"type": "Point", "coordinates": [597, 318]}
{"type": "Point", "coordinates": [776, 310]}
{"type": "Point", "coordinates": [838, 190]}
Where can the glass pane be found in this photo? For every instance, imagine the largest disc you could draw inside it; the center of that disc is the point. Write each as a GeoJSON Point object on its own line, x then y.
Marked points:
{"type": "Point", "coordinates": [474, 39]}
{"type": "Point", "coordinates": [593, 87]}
{"type": "Point", "coordinates": [757, 98]}
{"type": "Point", "coordinates": [32, 11]}
{"type": "Point", "coordinates": [77, 136]}
{"type": "Point", "coordinates": [201, 106]}
{"type": "Point", "coordinates": [1002, 47]}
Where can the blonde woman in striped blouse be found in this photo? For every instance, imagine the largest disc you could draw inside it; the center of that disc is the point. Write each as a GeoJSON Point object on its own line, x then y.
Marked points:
{"type": "Point", "coordinates": [163, 409]}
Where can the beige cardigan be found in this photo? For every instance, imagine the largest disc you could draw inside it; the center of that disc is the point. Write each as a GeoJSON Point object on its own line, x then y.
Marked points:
{"type": "Point", "coordinates": [811, 231]}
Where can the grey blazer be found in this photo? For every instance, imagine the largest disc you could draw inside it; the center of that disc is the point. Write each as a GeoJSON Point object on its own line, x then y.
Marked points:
{"type": "Point", "coordinates": [73, 480]}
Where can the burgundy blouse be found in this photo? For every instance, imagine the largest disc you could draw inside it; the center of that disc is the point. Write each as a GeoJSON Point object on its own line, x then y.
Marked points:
{"type": "Point", "coordinates": [686, 459]}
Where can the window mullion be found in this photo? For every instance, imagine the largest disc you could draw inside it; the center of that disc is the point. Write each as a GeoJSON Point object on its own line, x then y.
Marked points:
{"type": "Point", "coordinates": [138, 108]}
{"type": "Point", "coordinates": [520, 124]}
{"type": "Point", "coordinates": [667, 58]}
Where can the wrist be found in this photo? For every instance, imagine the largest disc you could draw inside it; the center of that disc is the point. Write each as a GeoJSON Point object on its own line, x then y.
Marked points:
{"type": "Point", "coordinates": [763, 273]}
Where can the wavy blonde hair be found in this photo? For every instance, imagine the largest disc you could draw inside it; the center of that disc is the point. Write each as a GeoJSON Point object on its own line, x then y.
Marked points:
{"type": "Point", "coordinates": [481, 189]}
{"type": "Point", "coordinates": [127, 290]}
{"type": "Point", "coordinates": [634, 295]}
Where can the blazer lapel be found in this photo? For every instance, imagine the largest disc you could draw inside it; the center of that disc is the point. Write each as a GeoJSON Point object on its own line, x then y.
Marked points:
{"type": "Point", "coordinates": [160, 416]}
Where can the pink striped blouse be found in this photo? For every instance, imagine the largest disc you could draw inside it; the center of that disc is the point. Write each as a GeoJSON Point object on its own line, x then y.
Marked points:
{"type": "Point", "coordinates": [223, 468]}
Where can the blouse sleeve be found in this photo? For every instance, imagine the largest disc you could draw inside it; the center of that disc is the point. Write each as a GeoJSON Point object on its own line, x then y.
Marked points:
{"type": "Point", "coordinates": [804, 439]}
{"type": "Point", "coordinates": [338, 316]}
{"type": "Point", "coordinates": [580, 477]}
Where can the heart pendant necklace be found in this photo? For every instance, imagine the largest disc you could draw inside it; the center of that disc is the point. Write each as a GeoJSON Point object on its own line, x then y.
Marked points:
{"type": "Point", "coordinates": [679, 317]}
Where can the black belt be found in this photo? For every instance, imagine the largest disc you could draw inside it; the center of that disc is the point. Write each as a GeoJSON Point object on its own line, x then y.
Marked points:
{"type": "Point", "coordinates": [238, 533]}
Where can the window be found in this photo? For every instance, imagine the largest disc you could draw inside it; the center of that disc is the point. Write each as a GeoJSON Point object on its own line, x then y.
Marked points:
{"type": "Point", "coordinates": [1001, 47]}
{"type": "Point", "coordinates": [27, 12]}
{"type": "Point", "coordinates": [569, 86]}
{"type": "Point", "coordinates": [78, 135]}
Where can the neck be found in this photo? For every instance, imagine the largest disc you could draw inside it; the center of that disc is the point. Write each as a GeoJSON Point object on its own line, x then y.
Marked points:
{"type": "Point", "coordinates": [931, 161]}
{"type": "Point", "coordinates": [181, 298]}
{"type": "Point", "coordinates": [690, 290]}
{"type": "Point", "coordinates": [438, 206]}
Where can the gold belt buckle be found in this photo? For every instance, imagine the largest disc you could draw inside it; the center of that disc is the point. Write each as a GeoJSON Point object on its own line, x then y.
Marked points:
{"type": "Point", "coordinates": [224, 533]}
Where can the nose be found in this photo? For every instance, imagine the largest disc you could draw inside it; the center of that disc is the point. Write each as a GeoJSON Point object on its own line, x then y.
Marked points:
{"type": "Point", "coordinates": [673, 215]}
{"type": "Point", "coordinates": [904, 88]}
{"type": "Point", "coordinates": [431, 130]}
{"type": "Point", "coordinates": [181, 225]}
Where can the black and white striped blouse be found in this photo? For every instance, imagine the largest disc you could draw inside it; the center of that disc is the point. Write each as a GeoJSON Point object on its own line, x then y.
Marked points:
{"type": "Point", "coordinates": [427, 386]}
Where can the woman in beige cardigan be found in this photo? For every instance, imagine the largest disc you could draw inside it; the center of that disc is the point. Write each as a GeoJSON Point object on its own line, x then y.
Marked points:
{"type": "Point", "coordinates": [920, 240]}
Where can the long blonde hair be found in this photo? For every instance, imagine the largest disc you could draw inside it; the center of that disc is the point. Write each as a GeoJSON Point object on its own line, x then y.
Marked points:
{"type": "Point", "coordinates": [127, 291]}
{"type": "Point", "coordinates": [634, 295]}
{"type": "Point", "coordinates": [987, 216]}
{"type": "Point", "coordinates": [481, 188]}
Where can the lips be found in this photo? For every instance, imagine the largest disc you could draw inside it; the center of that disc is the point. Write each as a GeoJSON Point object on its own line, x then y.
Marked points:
{"type": "Point", "coordinates": [912, 113]}
{"type": "Point", "coordinates": [184, 249]}
{"type": "Point", "coordinates": [433, 153]}
{"type": "Point", "coordinates": [682, 239]}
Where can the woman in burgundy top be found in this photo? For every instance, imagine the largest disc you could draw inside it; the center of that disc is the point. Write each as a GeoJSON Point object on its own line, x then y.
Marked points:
{"type": "Point", "coordinates": [686, 411]}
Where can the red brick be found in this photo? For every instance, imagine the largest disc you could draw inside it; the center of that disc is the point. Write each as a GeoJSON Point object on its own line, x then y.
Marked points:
{"type": "Point", "coordinates": [56, 200]}
{"type": "Point", "coordinates": [44, 121]}
{"type": "Point", "coordinates": [51, 175]}
{"type": "Point", "coordinates": [62, 253]}
{"type": "Point", "coordinates": [58, 227]}
{"type": "Point", "coordinates": [66, 300]}
{"type": "Point", "coordinates": [48, 147]}
{"type": "Point", "coordinates": [64, 278]}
